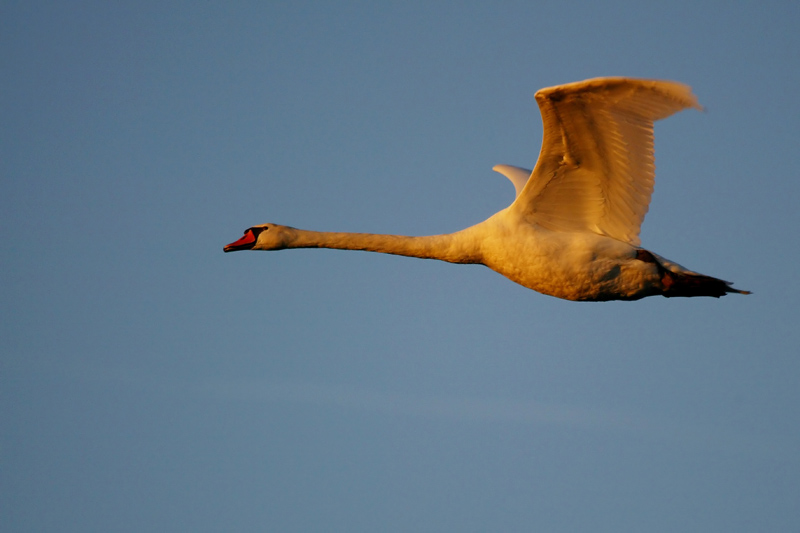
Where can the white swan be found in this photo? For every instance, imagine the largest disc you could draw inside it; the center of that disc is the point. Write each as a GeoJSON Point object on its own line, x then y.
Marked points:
{"type": "Point", "coordinates": [573, 229]}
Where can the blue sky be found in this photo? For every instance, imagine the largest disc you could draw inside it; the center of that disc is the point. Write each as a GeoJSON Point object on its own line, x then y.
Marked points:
{"type": "Point", "coordinates": [150, 381]}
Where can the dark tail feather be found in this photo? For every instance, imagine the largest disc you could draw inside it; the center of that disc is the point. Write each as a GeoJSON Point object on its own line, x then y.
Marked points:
{"type": "Point", "coordinates": [678, 284]}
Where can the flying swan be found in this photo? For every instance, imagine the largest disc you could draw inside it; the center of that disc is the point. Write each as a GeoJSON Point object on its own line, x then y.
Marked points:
{"type": "Point", "coordinates": [573, 229]}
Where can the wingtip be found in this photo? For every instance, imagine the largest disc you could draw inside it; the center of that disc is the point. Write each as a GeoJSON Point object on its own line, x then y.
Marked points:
{"type": "Point", "coordinates": [517, 175]}
{"type": "Point", "coordinates": [675, 90]}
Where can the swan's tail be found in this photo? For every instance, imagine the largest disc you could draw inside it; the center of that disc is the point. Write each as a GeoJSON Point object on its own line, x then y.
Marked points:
{"type": "Point", "coordinates": [678, 284]}
{"type": "Point", "coordinates": [678, 281]}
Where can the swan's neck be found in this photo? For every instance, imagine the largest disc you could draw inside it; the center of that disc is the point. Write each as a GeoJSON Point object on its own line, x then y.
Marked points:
{"type": "Point", "coordinates": [453, 247]}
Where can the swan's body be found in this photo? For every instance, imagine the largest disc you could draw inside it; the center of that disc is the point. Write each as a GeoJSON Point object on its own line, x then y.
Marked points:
{"type": "Point", "coordinates": [573, 229]}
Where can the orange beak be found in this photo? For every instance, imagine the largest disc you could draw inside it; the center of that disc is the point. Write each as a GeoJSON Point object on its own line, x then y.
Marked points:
{"type": "Point", "coordinates": [245, 243]}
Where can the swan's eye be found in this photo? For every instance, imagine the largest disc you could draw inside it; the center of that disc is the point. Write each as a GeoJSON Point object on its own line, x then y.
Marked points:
{"type": "Point", "coordinates": [258, 230]}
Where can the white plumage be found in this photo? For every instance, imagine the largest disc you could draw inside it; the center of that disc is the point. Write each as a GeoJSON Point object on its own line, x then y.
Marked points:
{"type": "Point", "coordinates": [573, 228]}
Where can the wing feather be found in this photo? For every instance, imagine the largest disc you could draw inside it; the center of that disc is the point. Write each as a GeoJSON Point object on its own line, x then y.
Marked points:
{"type": "Point", "coordinates": [596, 169]}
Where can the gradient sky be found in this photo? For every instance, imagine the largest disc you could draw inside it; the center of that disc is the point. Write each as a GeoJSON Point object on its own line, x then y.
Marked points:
{"type": "Point", "coordinates": [150, 382]}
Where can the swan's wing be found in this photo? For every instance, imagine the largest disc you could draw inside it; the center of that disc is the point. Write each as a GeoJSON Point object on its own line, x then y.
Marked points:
{"type": "Point", "coordinates": [518, 176]}
{"type": "Point", "coordinates": [596, 168]}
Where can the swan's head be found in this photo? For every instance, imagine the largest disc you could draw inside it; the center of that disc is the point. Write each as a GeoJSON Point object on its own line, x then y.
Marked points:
{"type": "Point", "coordinates": [263, 237]}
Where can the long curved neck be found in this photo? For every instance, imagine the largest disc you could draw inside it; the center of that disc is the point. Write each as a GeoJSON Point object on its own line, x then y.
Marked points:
{"type": "Point", "coordinates": [451, 247]}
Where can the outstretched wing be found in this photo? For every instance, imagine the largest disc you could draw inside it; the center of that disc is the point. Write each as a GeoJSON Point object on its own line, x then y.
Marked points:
{"type": "Point", "coordinates": [596, 168]}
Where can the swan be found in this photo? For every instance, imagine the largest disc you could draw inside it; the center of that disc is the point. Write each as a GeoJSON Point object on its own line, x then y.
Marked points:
{"type": "Point", "coordinates": [572, 230]}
